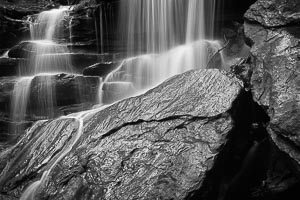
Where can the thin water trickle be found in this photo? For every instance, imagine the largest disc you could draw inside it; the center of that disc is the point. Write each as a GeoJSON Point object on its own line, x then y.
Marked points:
{"type": "Point", "coordinates": [30, 191]}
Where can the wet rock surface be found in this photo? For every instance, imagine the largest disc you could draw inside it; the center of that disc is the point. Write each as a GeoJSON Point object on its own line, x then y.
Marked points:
{"type": "Point", "coordinates": [273, 31]}
{"type": "Point", "coordinates": [275, 79]}
{"type": "Point", "coordinates": [158, 145]}
{"type": "Point", "coordinates": [274, 13]}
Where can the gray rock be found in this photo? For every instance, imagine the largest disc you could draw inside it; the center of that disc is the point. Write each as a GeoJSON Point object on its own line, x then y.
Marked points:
{"type": "Point", "coordinates": [272, 13]}
{"type": "Point", "coordinates": [275, 79]}
{"type": "Point", "coordinates": [160, 145]}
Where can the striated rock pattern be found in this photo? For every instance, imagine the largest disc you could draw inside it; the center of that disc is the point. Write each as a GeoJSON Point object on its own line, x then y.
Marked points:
{"type": "Point", "coordinates": [274, 13]}
{"type": "Point", "coordinates": [276, 80]}
{"type": "Point", "coordinates": [160, 145]}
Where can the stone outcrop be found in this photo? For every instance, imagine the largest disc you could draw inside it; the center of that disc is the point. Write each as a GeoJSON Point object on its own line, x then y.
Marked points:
{"type": "Point", "coordinates": [274, 13]}
{"type": "Point", "coordinates": [272, 28]}
{"type": "Point", "coordinates": [162, 144]}
{"type": "Point", "coordinates": [276, 70]}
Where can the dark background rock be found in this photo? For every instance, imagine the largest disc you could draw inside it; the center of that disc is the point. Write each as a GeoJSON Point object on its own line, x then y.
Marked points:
{"type": "Point", "coordinates": [11, 66]}
{"type": "Point", "coordinates": [274, 13]}
{"type": "Point", "coordinates": [275, 80]}
{"type": "Point", "coordinates": [276, 84]}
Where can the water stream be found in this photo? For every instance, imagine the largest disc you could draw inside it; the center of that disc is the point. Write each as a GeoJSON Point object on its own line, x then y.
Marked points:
{"type": "Point", "coordinates": [163, 37]}
{"type": "Point", "coordinates": [78, 125]}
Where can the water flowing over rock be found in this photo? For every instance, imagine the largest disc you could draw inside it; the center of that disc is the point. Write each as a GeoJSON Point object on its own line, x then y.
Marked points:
{"type": "Point", "coordinates": [161, 144]}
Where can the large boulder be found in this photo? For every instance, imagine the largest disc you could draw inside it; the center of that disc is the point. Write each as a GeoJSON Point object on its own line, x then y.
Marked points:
{"type": "Point", "coordinates": [275, 80]}
{"type": "Point", "coordinates": [163, 144]}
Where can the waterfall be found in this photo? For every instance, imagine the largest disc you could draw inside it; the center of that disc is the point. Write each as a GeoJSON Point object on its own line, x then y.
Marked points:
{"type": "Point", "coordinates": [44, 30]}
{"type": "Point", "coordinates": [163, 38]}
{"type": "Point", "coordinates": [45, 26]}
{"type": "Point", "coordinates": [46, 57]}
{"type": "Point", "coordinates": [20, 97]}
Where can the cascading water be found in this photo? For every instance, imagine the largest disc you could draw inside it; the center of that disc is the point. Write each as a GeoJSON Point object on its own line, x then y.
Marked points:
{"type": "Point", "coordinates": [44, 30]}
{"type": "Point", "coordinates": [171, 35]}
{"type": "Point", "coordinates": [43, 63]}
{"type": "Point", "coordinates": [19, 103]}
{"type": "Point", "coordinates": [165, 37]}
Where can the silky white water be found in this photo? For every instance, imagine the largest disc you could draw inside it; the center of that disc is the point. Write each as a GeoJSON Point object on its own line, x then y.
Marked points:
{"type": "Point", "coordinates": [163, 38]}
{"type": "Point", "coordinates": [20, 98]}
{"type": "Point", "coordinates": [43, 51]}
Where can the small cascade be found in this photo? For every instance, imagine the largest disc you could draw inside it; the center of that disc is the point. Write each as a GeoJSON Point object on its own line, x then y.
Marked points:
{"type": "Point", "coordinates": [19, 103]}
{"type": "Point", "coordinates": [49, 58]}
{"type": "Point", "coordinates": [45, 30]}
{"type": "Point", "coordinates": [48, 24]}
{"type": "Point", "coordinates": [46, 57]}
{"type": "Point", "coordinates": [46, 96]}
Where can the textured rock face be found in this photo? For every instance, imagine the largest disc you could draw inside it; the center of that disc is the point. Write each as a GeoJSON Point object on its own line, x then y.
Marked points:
{"type": "Point", "coordinates": [272, 13]}
{"type": "Point", "coordinates": [275, 80]}
{"type": "Point", "coordinates": [160, 145]}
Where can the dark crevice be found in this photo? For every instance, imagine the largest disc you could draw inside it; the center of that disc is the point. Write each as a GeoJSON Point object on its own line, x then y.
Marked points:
{"type": "Point", "coordinates": [170, 118]}
{"type": "Point", "coordinates": [242, 162]}
{"type": "Point", "coordinates": [292, 24]}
